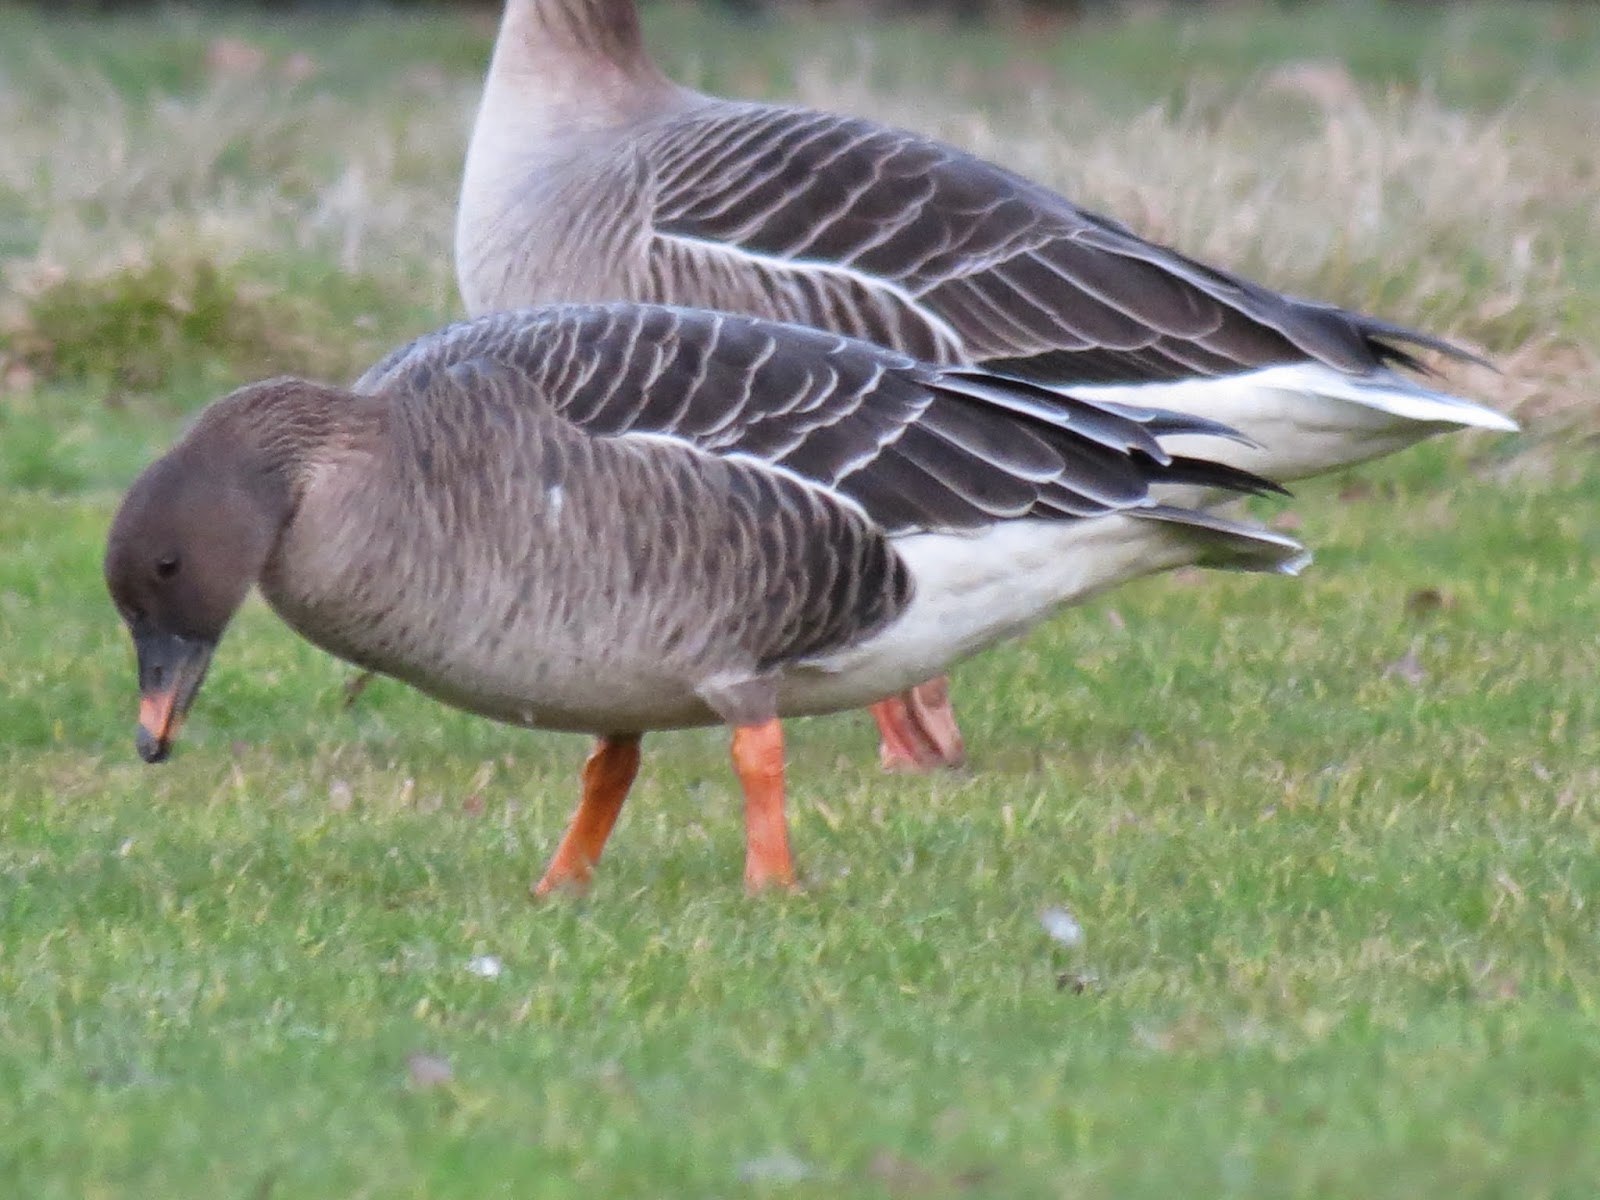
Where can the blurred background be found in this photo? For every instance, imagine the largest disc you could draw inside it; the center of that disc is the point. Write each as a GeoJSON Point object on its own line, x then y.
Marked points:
{"type": "Point", "coordinates": [195, 195]}
{"type": "Point", "coordinates": [1334, 844]}
{"type": "Point", "coordinates": [1001, 10]}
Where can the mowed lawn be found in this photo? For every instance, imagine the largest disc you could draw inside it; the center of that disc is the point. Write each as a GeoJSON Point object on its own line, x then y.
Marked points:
{"type": "Point", "coordinates": [1333, 844]}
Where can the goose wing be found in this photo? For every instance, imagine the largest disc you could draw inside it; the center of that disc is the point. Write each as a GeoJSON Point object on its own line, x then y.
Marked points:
{"type": "Point", "coordinates": [918, 448]}
{"type": "Point", "coordinates": [731, 565]}
{"type": "Point", "coordinates": [891, 236]}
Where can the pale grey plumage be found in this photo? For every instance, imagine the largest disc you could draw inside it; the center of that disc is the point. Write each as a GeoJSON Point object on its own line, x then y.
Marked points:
{"type": "Point", "coordinates": [591, 177]}
{"type": "Point", "coordinates": [648, 192]}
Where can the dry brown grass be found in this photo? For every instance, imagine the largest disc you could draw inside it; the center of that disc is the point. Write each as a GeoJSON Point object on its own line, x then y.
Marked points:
{"type": "Point", "coordinates": [328, 219]}
{"type": "Point", "coordinates": [1468, 225]}
{"type": "Point", "coordinates": [240, 169]}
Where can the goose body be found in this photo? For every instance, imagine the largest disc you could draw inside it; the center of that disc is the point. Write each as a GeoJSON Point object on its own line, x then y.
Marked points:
{"type": "Point", "coordinates": [638, 189]}
{"type": "Point", "coordinates": [989, 520]}
{"type": "Point", "coordinates": [615, 519]}
{"type": "Point", "coordinates": [635, 574]}
{"type": "Point", "coordinates": [592, 177]}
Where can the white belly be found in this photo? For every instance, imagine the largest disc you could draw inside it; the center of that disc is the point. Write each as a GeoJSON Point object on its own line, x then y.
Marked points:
{"type": "Point", "coordinates": [975, 590]}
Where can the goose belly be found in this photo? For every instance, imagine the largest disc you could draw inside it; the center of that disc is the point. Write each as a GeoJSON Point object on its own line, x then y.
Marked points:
{"type": "Point", "coordinates": [617, 697]}
{"type": "Point", "coordinates": [596, 688]}
{"type": "Point", "coordinates": [973, 590]}
{"type": "Point", "coordinates": [598, 671]}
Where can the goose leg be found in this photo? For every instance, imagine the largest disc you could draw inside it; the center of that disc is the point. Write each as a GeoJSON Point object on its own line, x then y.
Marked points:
{"type": "Point", "coordinates": [900, 746]}
{"type": "Point", "coordinates": [917, 729]}
{"type": "Point", "coordinates": [931, 708]}
{"type": "Point", "coordinates": [758, 757]}
{"type": "Point", "coordinates": [607, 776]}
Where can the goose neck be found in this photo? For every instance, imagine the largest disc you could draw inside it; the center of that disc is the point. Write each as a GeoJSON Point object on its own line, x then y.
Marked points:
{"type": "Point", "coordinates": [275, 436]}
{"type": "Point", "coordinates": [574, 51]}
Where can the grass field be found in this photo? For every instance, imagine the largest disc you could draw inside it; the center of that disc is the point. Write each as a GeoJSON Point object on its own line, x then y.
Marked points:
{"type": "Point", "coordinates": [1333, 844]}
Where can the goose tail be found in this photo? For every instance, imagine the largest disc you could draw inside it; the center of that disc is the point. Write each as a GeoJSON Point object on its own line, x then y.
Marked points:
{"type": "Point", "coordinates": [1204, 539]}
{"type": "Point", "coordinates": [1304, 419]}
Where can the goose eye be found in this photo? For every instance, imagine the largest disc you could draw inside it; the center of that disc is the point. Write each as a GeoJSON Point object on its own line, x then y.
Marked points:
{"type": "Point", "coordinates": [166, 568]}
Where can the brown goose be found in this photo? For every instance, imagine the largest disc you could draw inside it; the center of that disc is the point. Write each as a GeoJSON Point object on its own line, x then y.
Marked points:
{"type": "Point", "coordinates": [615, 519]}
{"type": "Point", "coordinates": [591, 177]}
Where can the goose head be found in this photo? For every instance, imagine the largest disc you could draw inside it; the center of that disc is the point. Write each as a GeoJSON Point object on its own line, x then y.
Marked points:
{"type": "Point", "coordinates": [192, 536]}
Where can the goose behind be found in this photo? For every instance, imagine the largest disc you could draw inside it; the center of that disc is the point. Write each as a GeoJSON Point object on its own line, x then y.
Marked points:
{"type": "Point", "coordinates": [553, 519]}
{"type": "Point", "coordinates": [591, 177]}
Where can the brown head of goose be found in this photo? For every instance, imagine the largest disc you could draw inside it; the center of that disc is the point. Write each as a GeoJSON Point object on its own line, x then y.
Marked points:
{"type": "Point", "coordinates": [615, 519]}
{"type": "Point", "coordinates": [590, 177]}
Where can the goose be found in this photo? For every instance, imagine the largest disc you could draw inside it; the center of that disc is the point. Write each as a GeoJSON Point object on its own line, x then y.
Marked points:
{"type": "Point", "coordinates": [590, 176]}
{"type": "Point", "coordinates": [614, 519]}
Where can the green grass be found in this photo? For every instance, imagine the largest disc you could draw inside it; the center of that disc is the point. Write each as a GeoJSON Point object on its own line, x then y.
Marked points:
{"type": "Point", "coordinates": [1339, 927]}
{"type": "Point", "coordinates": [1334, 843]}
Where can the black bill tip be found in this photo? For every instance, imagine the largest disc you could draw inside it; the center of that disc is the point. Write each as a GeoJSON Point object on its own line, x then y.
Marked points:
{"type": "Point", "coordinates": [152, 748]}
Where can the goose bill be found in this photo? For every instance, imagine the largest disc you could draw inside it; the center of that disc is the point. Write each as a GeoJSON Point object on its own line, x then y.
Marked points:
{"type": "Point", "coordinates": [171, 670]}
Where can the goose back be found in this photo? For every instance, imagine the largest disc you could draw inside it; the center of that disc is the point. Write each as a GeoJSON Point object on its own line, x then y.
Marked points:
{"type": "Point", "coordinates": [882, 234]}
{"type": "Point", "coordinates": [804, 216]}
{"type": "Point", "coordinates": [918, 447]}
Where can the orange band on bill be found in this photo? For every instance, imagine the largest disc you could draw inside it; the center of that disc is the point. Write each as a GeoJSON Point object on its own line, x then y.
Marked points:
{"type": "Point", "coordinates": [158, 715]}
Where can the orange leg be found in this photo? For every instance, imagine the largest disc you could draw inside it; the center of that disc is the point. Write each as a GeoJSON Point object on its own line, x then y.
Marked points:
{"type": "Point", "coordinates": [758, 757]}
{"type": "Point", "coordinates": [917, 729]}
{"type": "Point", "coordinates": [607, 776]}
